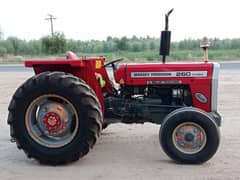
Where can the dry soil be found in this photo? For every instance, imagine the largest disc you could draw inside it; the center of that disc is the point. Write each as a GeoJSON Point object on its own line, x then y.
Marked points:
{"type": "Point", "coordinates": [128, 151]}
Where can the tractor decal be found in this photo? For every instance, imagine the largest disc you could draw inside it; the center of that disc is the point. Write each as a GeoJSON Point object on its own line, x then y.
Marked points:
{"type": "Point", "coordinates": [169, 74]}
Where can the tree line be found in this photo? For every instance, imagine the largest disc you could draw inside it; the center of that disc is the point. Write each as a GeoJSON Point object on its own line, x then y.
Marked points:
{"type": "Point", "coordinates": [57, 44]}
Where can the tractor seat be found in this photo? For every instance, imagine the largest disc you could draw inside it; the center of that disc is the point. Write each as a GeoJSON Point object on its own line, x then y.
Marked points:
{"type": "Point", "coordinates": [71, 55]}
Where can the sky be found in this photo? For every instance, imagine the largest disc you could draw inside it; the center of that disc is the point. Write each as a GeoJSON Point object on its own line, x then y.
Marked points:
{"type": "Point", "coordinates": [97, 19]}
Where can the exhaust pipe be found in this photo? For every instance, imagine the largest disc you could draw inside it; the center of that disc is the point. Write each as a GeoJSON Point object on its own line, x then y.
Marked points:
{"type": "Point", "coordinates": [165, 39]}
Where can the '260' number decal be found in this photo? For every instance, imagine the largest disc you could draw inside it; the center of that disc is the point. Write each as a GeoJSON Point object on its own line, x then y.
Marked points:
{"type": "Point", "coordinates": [183, 74]}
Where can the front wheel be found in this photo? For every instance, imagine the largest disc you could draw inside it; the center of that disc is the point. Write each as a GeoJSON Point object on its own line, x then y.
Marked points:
{"type": "Point", "coordinates": [55, 118]}
{"type": "Point", "coordinates": [189, 135]}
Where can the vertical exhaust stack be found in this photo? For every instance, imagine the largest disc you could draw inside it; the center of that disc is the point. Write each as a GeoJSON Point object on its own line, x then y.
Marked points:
{"type": "Point", "coordinates": [165, 39]}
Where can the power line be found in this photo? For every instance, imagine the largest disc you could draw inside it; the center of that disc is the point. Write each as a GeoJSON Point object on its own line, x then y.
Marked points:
{"type": "Point", "coordinates": [51, 18]}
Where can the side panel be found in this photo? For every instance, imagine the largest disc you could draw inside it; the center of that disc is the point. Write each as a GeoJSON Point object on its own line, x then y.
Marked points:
{"type": "Point", "coordinates": [197, 76]}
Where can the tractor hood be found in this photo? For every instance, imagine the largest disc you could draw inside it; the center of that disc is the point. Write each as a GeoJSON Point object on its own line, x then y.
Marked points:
{"type": "Point", "coordinates": [142, 74]}
{"type": "Point", "coordinates": [200, 77]}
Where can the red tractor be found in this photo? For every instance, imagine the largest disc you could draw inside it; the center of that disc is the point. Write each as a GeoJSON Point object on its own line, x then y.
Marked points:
{"type": "Point", "coordinates": [57, 115]}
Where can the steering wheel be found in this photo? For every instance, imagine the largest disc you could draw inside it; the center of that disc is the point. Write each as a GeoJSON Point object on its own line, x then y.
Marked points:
{"type": "Point", "coordinates": [112, 63]}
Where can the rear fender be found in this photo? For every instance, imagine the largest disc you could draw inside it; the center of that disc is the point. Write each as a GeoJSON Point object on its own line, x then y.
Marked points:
{"type": "Point", "coordinates": [82, 69]}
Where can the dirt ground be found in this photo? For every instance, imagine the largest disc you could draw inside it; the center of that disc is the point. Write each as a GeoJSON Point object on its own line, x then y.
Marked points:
{"type": "Point", "coordinates": [128, 151]}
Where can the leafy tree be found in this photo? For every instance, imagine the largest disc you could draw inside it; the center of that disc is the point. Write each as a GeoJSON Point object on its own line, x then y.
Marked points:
{"type": "Point", "coordinates": [58, 44]}
{"type": "Point", "coordinates": [109, 38]}
{"type": "Point", "coordinates": [235, 44]}
{"type": "Point", "coordinates": [35, 47]}
{"type": "Point", "coordinates": [122, 43]}
{"type": "Point", "coordinates": [135, 47]}
{"type": "Point", "coordinates": [14, 44]}
{"type": "Point", "coordinates": [152, 45]}
{"type": "Point", "coordinates": [3, 51]}
{"type": "Point", "coordinates": [134, 38]}
{"type": "Point", "coordinates": [54, 44]}
{"type": "Point", "coordinates": [143, 45]}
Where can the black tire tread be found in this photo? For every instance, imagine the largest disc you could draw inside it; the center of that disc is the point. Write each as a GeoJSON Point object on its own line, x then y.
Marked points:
{"type": "Point", "coordinates": [81, 89]}
{"type": "Point", "coordinates": [209, 121]}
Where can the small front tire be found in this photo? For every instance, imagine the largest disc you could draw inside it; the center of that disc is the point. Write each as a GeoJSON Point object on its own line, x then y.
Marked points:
{"type": "Point", "coordinates": [189, 136]}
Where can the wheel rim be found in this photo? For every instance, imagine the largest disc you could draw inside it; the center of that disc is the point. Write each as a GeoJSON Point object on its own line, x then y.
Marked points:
{"type": "Point", "coordinates": [189, 138]}
{"type": "Point", "coordinates": [52, 121]}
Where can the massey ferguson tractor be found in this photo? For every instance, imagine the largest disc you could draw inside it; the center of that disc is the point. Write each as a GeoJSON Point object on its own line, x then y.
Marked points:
{"type": "Point", "coordinates": [57, 115]}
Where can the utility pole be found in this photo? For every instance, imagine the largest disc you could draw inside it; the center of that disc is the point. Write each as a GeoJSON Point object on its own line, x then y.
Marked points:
{"type": "Point", "coordinates": [51, 18]}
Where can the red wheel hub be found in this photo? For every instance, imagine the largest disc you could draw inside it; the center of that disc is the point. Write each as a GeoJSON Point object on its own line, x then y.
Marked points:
{"type": "Point", "coordinates": [52, 121]}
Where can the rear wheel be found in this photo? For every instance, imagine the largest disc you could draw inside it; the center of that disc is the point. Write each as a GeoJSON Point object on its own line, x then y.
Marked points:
{"type": "Point", "coordinates": [55, 118]}
{"type": "Point", "coordinates": [189, 135]}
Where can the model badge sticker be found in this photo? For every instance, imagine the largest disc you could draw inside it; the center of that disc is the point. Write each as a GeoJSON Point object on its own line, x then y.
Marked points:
{"type": "Point", "coordinates": [201, 98]}
{"type": "Point", "coordinates": [169, 74]}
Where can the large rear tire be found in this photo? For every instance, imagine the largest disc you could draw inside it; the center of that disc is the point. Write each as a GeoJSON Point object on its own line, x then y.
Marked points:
{"type": "Point", "coordinates": [189, 136]}
{"type": "Point", "coordinates": [55, 118]}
